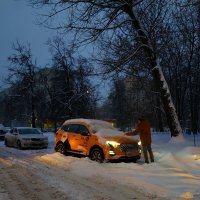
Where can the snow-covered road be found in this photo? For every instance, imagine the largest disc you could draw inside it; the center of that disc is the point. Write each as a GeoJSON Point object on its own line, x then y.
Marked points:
{"type": "Point", "coordinates": [19, 182]}
{"type": "Point", "coordinates": [44, 174]}
{"type": "Point", "coordinates": [30, 176]}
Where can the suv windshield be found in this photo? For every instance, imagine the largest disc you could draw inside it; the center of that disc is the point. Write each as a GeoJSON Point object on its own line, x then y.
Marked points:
{"type": "Point", "coordinates": [105, 130]}
{"type": "Point", "coordinates": [97, 127]}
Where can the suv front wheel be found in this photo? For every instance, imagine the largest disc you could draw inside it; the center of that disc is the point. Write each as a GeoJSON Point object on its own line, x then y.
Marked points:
{"type": "Point", "coordinates": [97, 155]}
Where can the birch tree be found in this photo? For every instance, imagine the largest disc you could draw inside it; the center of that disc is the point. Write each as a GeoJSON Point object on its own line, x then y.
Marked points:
{"type": "Point", "coordinates": [90, 20]}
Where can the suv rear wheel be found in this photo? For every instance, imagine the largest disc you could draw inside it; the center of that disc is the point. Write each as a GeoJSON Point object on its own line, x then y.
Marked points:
{"type": "Point", "coordinates": [61, 148]}
{"type": "Point", "coordinates": [97, 155]}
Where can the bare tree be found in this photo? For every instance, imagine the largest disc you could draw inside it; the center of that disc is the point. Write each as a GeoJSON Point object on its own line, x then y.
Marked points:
{"type": "Point", "coordinates": [69, 91]}
{"type": "Point", "coordinates": [22, 70]}
{"type": "Point", "coordinates": [91, 19]}
{"type": "Point", "coordinates": [181, 63]}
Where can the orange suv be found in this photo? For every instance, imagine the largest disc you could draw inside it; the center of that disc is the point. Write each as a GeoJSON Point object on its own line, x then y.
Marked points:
{"type": "Point", "coordinates": [97, 139]}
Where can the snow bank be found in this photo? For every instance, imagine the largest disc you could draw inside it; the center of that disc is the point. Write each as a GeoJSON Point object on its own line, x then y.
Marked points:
{"type": "Point", "coordinates": [177, 139]}
{"type": "Point", "coordinates": [174, 175]}
{"type": "Point", "coordinates": [168, 177]}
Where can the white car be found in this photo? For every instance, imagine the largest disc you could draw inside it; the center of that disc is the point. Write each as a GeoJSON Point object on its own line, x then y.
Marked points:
{"type": "Point", "coordinates": [26, 137]}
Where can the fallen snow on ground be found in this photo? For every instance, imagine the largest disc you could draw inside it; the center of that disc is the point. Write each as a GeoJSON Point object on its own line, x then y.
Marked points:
{"type": "Point", "coordinates": [175, 173]}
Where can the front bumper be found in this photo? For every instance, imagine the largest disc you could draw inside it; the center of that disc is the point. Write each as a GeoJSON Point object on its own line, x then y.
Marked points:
{"type": "Point", "coordinates": [125, 159]}
{"type": "Point", "coordinates": [124, 152]}
{"type": "Point", "coordinates": [125, 156]}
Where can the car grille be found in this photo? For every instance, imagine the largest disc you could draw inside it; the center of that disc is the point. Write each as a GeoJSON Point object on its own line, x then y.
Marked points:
{"type": "Point", "coordinates": [36, 139]}
{"type": "Point", "coordinates": [129, 147]}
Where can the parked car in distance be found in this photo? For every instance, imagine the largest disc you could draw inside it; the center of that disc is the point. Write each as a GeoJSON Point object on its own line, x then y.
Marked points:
{"type": "Point", "coordinates": [96, 139]}
{"type": "Point", "coordinates": [26, 137]}
{"type": "Point", "coordinates": [2, 132]}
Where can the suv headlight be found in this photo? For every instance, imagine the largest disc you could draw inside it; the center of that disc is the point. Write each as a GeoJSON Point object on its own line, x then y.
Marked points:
{"type": "Point", "coordinates": [112, 143]}
{"type": "Point", "coordinates": [139, 143]}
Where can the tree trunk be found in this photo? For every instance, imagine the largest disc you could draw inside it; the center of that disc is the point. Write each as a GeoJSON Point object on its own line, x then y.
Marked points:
{"type": "Point", "coordinates": [169, 108]}
{"type": "Point", "coordinates": [159, 79]}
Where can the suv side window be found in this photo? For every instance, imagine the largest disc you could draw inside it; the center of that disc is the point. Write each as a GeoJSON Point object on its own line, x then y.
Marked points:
{"type": "Point", "coordinates": [73, 128]}
{"type": "Point", "coordinates": [65, 128]}
{"type": "Point", "coordinates": [83, 129]}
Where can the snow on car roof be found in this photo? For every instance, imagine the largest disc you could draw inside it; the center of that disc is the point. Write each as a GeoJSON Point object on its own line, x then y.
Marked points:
{"type": "Point", "coordinates": [90, 121]}
{"type": "Point", "coordinates": [99, 127]}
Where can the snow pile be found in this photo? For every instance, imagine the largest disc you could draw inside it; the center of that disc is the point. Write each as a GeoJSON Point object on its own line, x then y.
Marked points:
{"type": "Point", "coordinates": [176, 140]}
{"type": "Point", "coordinates": [174, 175]}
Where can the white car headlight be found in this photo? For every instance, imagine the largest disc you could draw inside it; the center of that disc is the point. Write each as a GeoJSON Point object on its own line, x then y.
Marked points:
{"type": "Point", "coordinates": [139, 143]}
{"type": "Point", "coordinates": [112, 143]}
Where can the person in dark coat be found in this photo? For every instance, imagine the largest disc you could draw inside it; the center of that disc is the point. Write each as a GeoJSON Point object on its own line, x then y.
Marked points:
{"type": "Point", "coordinates": [144, 131]}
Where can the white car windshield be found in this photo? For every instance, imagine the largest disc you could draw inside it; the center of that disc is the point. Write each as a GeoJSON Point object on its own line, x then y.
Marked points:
{"type": "Point", "coordinates": [26, 131]}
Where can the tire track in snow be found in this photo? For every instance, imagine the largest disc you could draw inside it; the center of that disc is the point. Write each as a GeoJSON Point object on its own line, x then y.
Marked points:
{"type": "Point", "coordinates": [19, 183]}
{"type": "Point", "coordinates": [73, 186]}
